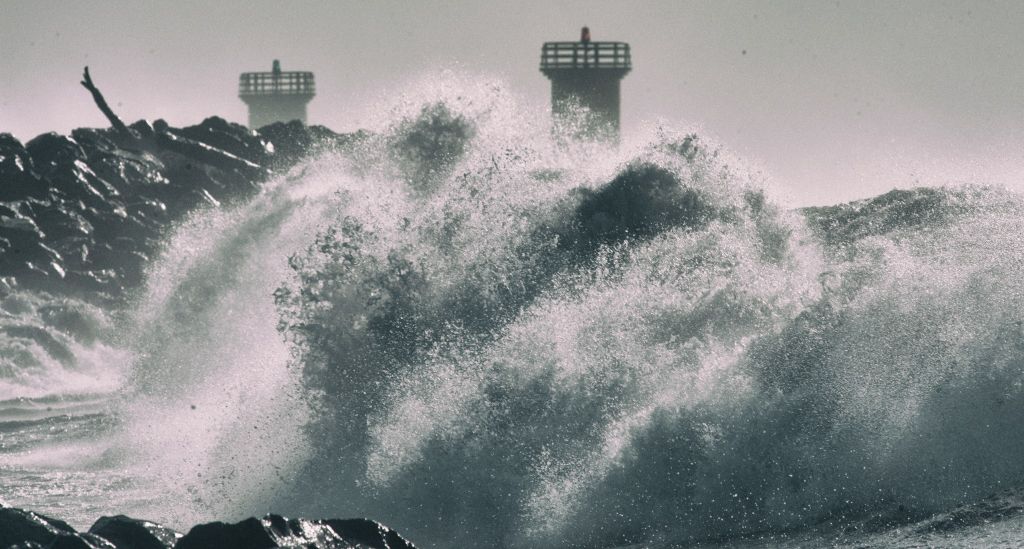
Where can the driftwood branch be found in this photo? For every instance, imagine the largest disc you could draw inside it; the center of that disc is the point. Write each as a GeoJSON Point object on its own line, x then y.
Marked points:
{"type": "Point", "coordinates": [102, 104]}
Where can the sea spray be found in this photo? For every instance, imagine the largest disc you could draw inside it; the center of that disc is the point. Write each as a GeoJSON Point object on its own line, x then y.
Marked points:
{"type": "Point", "coordinates": [484, 335]}
{"type": "Point", "coordinates": [51, 346]}
{"type": "Point", "coordinates": [215, 419]}
{"type": "Point", "coordinates": [484, 359]}
{"type": "Point", "coordinates": [60, 367]}
{"type": "Point", "coordinates": [538, 352]}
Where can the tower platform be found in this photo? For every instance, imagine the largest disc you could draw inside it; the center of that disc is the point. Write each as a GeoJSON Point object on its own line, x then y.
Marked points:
{"type": "Point", "coordinates": [586, 74]}
{"type": "Point", "coordinates": [276, 96]}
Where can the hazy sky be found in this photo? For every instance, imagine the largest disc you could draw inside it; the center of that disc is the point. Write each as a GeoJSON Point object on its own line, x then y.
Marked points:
{"type": "Point", "coordinates": [835, 100]}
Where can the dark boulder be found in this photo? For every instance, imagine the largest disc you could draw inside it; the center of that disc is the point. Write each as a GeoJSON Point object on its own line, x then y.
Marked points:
{"type": "Point", "coordinates": [204, 155]}
{"type": "Point", "coordinates": [14, 158]}
{"type": "Point", "coordinates": [143, 128]}
{"type": "Point", "coordinates": [25, 529]}
{"type": "Point", "coordinates": [60, 223]}
{"type": "Point", "coordinates": [19, 526]}
{"type": "Point", "coordinates": [270, 531]}
{"type": "Point", "coordinates": [231, 138]}
{"type": "Point", "coordinates": [17, 176]}
{"type": "Point", "coordinates": [294, 141]}
{"type": "Point", "coordinates": [129, 533]}
{"type": "Point", "coordinates": [120, 168]}
{"type": "Point", "coordinates": [52, 151]}
{"type": "Point", "coordinates": [368, 533]}
{"type": "Point", "coordinates": [80, 541]}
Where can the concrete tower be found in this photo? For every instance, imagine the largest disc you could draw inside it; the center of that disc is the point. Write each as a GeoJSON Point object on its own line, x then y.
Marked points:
{"type": "Point", "coordinates": [276, 96]}
{"type": "Point", "coordinates": [586, 74]}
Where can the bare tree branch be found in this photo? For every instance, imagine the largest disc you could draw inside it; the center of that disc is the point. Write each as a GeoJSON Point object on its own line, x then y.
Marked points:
{"type": "Point", "coordinates": [102, 104]}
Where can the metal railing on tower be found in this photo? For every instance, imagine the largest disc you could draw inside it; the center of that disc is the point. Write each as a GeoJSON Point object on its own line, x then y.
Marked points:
{"type": "Point", "coordinates": [276, 96]}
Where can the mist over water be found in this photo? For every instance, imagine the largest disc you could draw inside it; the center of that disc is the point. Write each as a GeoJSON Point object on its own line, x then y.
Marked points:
{"type": "Point", "coordinates": [482, 335]}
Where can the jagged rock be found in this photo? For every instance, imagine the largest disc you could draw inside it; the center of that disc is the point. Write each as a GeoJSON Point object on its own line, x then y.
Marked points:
{"type": "Point", "coordinates": [14, 158]}
{"type": "Point", "coordinates": [17, 178]}
{"type": "Point", "coordinates": [85, 213]}
{"type": "Point", "coordinates": [270, 531]}
{"type": "Point", "coordinates": [143, 128]}
{"type": "Point", "coordinates": [368, 533]}
{"type": "Point", "coordinates": [231, 138]}
{"type": "Point", "coordinates": [290, 140]}
{"type": "Point", "coordinates": [11, 219]}
{"type": "Point", "coordinates": [52, 151]}
{"type": "Point", "coordinates": [26, 530]}
{"type": "Point", "coordinates": [60, 223]}
{"type": "Point", "coordinates": [76, 182]}
{"type": "Point", "coordinates": [207, 155]}
{"type": "Point", "coordinates": [80, 541]}
{"type": "Point", "coordinates": [121, 168]}
{"type": "Point", "coordinates": [293, 141]}
{"type": "Point", "coordinates": [19, 526]}
{"type": "Point", "coordinates": [128, 533]}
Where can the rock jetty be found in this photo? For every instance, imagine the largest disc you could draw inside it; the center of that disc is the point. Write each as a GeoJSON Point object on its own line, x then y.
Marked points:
{"type": "Point", "coordinates": [84, 213]}
{"type": "Point", "coordinates": [21, 529]}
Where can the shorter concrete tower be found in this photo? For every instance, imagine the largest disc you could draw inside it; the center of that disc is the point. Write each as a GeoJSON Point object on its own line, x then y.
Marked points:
{"type": "Point", "coordinates": [586, 74]}
{"type": "Point", "coordinates": [276, 96]}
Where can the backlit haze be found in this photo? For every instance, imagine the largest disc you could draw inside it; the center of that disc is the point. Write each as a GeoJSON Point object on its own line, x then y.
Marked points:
{"type": "Point", "coordinates": [834, 101]}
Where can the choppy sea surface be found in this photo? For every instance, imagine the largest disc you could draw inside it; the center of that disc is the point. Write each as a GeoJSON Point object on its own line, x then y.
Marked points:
{"type": "Point", "coordinates": [486, 336]}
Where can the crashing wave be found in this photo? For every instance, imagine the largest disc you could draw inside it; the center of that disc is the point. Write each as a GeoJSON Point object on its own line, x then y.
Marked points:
{"type": "Point", "coordinates": [487, 336]}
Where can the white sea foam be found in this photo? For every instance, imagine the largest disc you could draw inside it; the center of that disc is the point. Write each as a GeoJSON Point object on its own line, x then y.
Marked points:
{"type": "Point", "coordinates": [485, 335]}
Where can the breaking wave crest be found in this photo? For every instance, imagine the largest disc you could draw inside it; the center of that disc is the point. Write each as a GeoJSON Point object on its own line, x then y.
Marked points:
{"type": "Point", "coordinates": [485, 336]}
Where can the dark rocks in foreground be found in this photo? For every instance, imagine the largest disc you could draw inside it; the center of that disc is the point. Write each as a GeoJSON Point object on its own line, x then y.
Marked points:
{"type": "Point", "coordinates": [20, 529]}
{"type": "Point", "coordinates": [85, 213]}
{"type": "Point", "coordinates": [125, 532]}
{"type": "Point", "coordinates": [278, 531]}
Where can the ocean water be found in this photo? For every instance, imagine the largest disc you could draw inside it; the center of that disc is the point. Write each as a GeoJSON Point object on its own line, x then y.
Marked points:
{"type": "Point", "coordinates": [486, 336]}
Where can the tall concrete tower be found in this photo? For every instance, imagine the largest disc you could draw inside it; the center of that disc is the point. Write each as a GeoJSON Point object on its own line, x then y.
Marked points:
{"type": "Point", "coordinates": [586, 74]}
{"type": "Point", "coordinates": [276, 96]}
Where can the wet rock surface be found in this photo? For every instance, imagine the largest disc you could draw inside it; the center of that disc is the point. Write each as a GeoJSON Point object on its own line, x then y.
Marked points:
{"type": "Point", "coordinates": [20, 529]}
{"type": "Point", "coordinates": [84, 213]}
{"type": "Point", "coordinates": [126, 532]}
{"type": "Point", "coordinates": [24, 530]}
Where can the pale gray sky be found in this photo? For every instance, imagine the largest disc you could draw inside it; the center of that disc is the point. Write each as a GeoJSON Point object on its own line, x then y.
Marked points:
{"type": "Point", "coordinates": [835, 100]}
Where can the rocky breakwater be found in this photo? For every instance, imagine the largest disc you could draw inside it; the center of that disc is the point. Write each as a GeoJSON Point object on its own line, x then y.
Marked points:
{"type": "Point", "coordinates": [20, 529]}
{"type": "Point", "coordinates": [84, 213]}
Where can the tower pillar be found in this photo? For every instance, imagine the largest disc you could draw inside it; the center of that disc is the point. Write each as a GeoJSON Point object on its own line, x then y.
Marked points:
{"type": "Point", "coordinates": [585, 85]}
{"type": "Point", "coordinates": [276, 96]}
